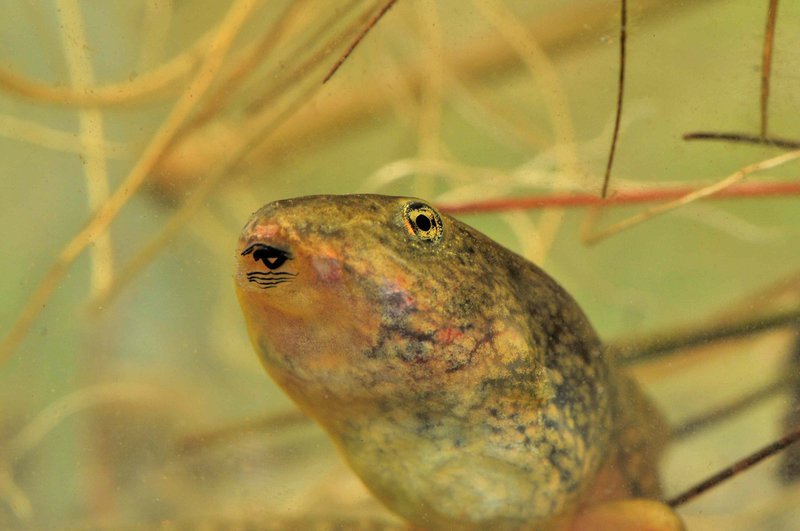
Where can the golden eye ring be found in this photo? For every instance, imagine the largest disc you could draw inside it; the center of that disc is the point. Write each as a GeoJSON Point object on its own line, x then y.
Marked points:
{"type": "Point", "coordinates": [423, 222]}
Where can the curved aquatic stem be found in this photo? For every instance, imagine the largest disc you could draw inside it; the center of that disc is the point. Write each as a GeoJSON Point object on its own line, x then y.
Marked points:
{"type": "Point", "coordinates": [156, 26]}
{"type": "Point", "coordinates": [151, 85]}
{"type": "Point", "coordinates": [621, 198]}
{"type": "Point", "coordinates": [429, 109]}
{"type": "Point", "coordinates": [81, 75]}
{"type": "Point", "coordinates": [744, 138]}
{"type": "Point", "coordinates": [15, 497]}
{"type": "Point", "coordinates": [623, 35]}
{"type": "Point", "coordinates": [766, 63]}
{"type": "Point", "coordinates": [57, 140]}
{"type": "Point", "coordinates": [246, 63]}
{"type": "Point", "coordinates": [37, 429]}
{"type": "Point", "coordinates": [653, 346]}
{"type": "Point", "coordinates": [272, 422]}
{"type": "Point", "coordinates": [285, 80]}
{"type": "Point", "coordinates": [228, 29]}
{"type": "Point", "coordinates": [541, 68]}
{"type": "Point", "coordinates": [691, 426]}
{"type": "Point", "coordinates": [257, 133]}
{"type": "Point", "coordinates": [367, 27]}
{"type": "Point", "coordinates": [739, 466]}
{"type": "Point", "coordinates": [593, 237]}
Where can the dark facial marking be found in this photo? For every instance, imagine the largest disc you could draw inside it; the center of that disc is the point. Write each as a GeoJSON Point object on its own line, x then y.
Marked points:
{"type": "Point", "coordinates": [272, 257]}
{"type": "Point", "coordinates": [269, 279]}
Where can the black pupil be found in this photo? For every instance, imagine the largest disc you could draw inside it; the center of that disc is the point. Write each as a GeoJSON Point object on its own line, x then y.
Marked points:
{"type": "Point", "coordinates": [423, 222]}
{"type": "Point", "coordinates": [271, 257]}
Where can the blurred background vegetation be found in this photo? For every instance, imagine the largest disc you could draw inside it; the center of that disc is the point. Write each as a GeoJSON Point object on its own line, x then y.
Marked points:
{"type": "Point", "coordinates": [137, 136]}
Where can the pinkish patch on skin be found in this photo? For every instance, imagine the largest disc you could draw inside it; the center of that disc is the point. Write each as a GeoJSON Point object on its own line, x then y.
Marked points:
{"type": "Point", "coordinates": [265, 232]}
{"type": "Point", "coordinates": [446, 336]}
{"type": "Point", "coordinates": [400, 298]}
{"type": "Point", "coordinates": [328, 268]}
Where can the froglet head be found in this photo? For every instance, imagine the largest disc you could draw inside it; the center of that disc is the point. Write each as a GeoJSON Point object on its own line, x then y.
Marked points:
{"type": "Point", "coordinates": [330, 284]}
{"type": "Point", "coordinates": [430, 354]}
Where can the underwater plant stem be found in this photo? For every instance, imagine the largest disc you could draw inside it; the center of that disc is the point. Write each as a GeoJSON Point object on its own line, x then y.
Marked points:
{"type": "Point", "coordinates": [148, 86]}
{"type": "Point", "coordinates": [736, 468]}
{"type": "Point", "coordinates": [563, 30]}
{"type": "Point", "coordinates": [282, 80]}
{"type": "Point", "coordinates": [36, 430]}
{"type": "Point", "coordinates": [366, 29]}
{"type": "Point", "coordinates": [273, 422]}
{"type": "Point", "coordinates": [245, 65]}
{"type": "Point", "coordinates": [266, 124]}
{"type": "Point", "coordinates": [228, 29]}
{"type": "Point", "coordinates": [540, 67]}
{"type": "Point", "coordinates": [92, 133]}
{"type": "Point", "coordinates": [533, 55]}
{"type": "Point", "coordinates": [621, 198]}
{"type": "Point", "coordinates": [766, 63]}
{"type": "Point", "coordinates": [744, 138]}
{"type": "Point", "coordinates": [637, 351]}
{"type": "Point", "coordinates": [16, 499]}
{"type": "Point", "coordinates": [623, 33]}
{"type": "Point", "coordinates": [594, 237]}
{"type": "Point", "coordinates": [790, 466]}
{"type": "Point", "coordinates": [155, 32]}
{"type": "Point", "coordinates": [429, 112]}
{"type": "Point", "coordinates": [57, 140]}
{"type": "Point", "coordinates": [691, 426]}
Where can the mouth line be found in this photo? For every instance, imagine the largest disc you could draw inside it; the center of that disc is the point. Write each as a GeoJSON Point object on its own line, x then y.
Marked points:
{"type": "Point", "coordinates": [270, 274]}
{"type": "Point", "coordinates": [269, 279]}
{"type": "Point", "coordinates": [267, 285]}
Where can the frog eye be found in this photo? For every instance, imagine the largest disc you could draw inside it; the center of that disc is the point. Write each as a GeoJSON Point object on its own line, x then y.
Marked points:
{"type": "Point", "coordinates": [423, 222]}
{"type": "Point", "coordinates": [272, 257]}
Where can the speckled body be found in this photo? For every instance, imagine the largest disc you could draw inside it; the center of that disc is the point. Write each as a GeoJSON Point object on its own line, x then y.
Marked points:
{"type": "Point", "coordinates": [462, 384]}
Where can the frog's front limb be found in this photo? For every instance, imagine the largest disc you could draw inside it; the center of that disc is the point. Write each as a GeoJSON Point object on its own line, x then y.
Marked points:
{"type": "Point", "coordinates": [634, 514]}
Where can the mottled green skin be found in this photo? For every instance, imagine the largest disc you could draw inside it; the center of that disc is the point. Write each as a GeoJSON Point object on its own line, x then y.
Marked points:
{"type": "Point", "coordinates": [463, 385]}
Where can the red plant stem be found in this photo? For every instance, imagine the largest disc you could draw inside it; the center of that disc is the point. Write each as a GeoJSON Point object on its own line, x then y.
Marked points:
{"type": "Point", "coordinates": [755, 189]}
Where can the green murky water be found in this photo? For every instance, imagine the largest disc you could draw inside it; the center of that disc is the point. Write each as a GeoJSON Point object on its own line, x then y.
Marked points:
{"type": "Point", "coordinates": [453, 101]}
